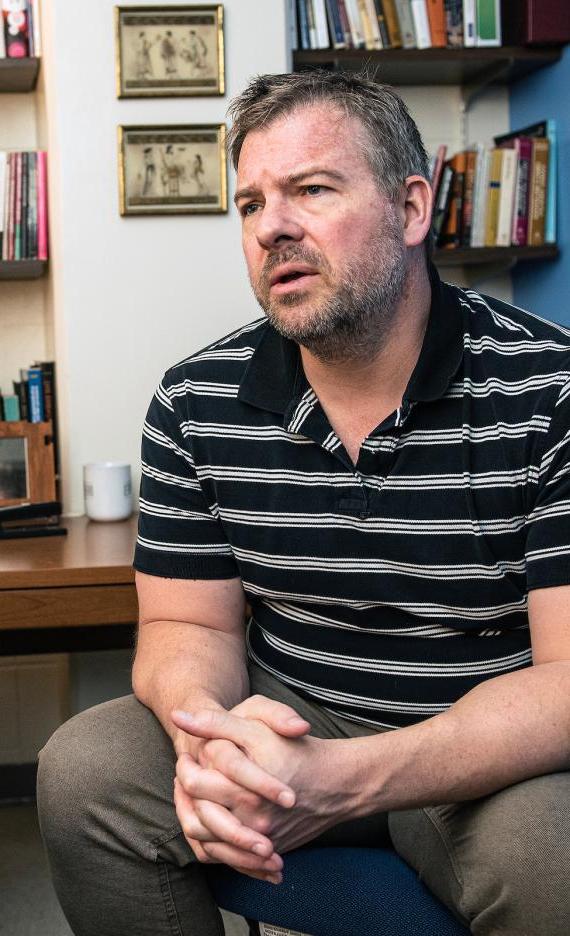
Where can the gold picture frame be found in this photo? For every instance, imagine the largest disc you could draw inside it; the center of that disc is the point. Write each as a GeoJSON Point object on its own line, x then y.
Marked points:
{"type": "Point", "coordinates": [173, 169]}
{"type": "Point", "coordinates": [169, 51]}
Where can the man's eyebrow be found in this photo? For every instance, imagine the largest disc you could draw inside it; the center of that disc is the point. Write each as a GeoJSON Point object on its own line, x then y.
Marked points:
{"type": "Point", "coordinates": [294, 179]}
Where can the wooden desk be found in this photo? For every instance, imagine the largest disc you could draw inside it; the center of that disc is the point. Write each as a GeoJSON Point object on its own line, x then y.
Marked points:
{"type": "Point", "coordinates": [74, 592]}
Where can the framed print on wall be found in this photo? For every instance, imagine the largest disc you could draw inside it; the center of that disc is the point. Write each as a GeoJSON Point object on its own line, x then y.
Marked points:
{"type": "Point", "coordinates": [179, 169]}
{"type": "Point", "coordinates": [27, 468]}
{"type": "Point", "coordinates": [165, 51]}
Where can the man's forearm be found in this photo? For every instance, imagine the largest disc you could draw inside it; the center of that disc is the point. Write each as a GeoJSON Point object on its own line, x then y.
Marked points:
{"type": "Point", "coordinates": [504, 731]}
{"type": "Point", "coordinates": [187, 666]}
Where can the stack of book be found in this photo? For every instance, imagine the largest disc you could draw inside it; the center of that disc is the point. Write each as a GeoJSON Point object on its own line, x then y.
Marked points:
{"type": "Point", "coordinates": [20, 29]}
{"type": "Point", "coordinates": [33, 396]}
{"type": "Point", "coordinates": [23, 206]}
{"type": "Point", "coordinates": [393, 24]}
{"type": "Point", "coordinates": [498, 196]}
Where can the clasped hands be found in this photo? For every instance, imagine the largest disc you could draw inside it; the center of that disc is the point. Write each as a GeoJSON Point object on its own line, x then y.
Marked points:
{"type": "Point", "coordinates": [255, 786]}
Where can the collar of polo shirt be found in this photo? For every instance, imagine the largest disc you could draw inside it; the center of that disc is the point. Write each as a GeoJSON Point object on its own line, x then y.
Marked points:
{"type": "Point", "coordinates": [274, 377]}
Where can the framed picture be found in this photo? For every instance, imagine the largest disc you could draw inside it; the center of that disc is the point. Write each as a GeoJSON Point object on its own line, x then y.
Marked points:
{"type": "Point", "coordinates": [173, 169]}
{"type": "Point", "coordinates": [163, 51]}
{"type": "Point", "coordinates": [27, 472]}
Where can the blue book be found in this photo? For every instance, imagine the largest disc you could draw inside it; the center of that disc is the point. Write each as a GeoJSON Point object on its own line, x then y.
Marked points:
{"type": "Point", "coordinates": [36, 408]}
{"type": "Point", "coordinates": [303, 21]}
{"type": "Point", "coordinates": [11, 408]}
{"type": "Point", "coordinates": [551, 184]}
{"type": "Point", "coordinates": [335, 25]}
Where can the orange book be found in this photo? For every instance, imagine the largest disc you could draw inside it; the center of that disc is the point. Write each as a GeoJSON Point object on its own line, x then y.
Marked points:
{"type": "Point", "coordinates": [437, 23]}
{"type": "Point", "coordinates": [451, 234]}
{"type": "Point", "coordinates": [393, 23]}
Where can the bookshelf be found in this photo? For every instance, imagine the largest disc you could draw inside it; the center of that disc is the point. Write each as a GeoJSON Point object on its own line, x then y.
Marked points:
{"type": "Point", "coordinates": [22, 269]}
{"type": "Point", "coordinates": [18, 76]}
{"type": "Point", "coordinates": [472, 256]}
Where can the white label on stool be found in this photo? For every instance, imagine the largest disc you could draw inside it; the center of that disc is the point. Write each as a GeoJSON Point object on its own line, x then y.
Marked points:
{"type": "Point", "coordinates": [268, 929]}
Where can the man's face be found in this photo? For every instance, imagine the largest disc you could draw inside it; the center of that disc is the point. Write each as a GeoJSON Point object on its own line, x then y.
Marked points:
{"type": "Point", "coordinates": [324, 247]}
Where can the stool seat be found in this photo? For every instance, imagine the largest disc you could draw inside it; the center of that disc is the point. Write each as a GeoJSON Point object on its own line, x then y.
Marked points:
{"type": "Point", "coordinates": [338, 892]}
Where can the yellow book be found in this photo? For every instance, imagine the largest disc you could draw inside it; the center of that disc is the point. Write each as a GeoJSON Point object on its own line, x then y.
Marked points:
{"type": "Point", "coordinates": [493, 197]}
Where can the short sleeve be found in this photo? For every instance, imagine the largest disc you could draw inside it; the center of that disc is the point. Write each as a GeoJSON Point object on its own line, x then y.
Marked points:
{"type": "Point", "coordinates": [178, 537]}
{"type": "Point", "coordinates": [548, 526]}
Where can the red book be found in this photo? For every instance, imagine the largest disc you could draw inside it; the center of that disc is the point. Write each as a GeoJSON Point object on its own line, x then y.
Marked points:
{"type": "Point", "coordinates": [535, 22]}
{"type": "Point", "coordinates": [523, 147]}
{"type": "Point", "coordinates": [42, 207]}
{"type": "Point", "coordinates": [437, 22]}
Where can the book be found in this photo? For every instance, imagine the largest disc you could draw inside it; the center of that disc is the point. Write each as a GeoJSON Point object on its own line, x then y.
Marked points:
{"type": "Point", "coordinates": [50, 405]}
{"type": "Point", "coordinates": [15, 30]}
{"type": "Point", "coordinates": [345, 23]}
{"type": "Point", "coordinates": [442, 203]}
{"type": "Point", "coordinates": [18, 209]}
{"type": "Point", "coordinates": [469, 23]}
{"type": "Point", "coordinates": [421, 24]}
{"type": "Point", "coordinates": [42, 206]}
{"type": "Point", "coordinates": [544, 128]}
{"type": "Point", "coordinates": [507, 198]}
{"type": "Point", "coordinates": [336, 30]}
{"type": "Point", "coordinates": [454, 23]}
{"type": "Point", "coordinates": [35, 35]}
{"type": "Point", "coordinates": [488, 22]}
{"type": "Point", "coordinates": [292, 25]}
{"type": "Point", "coordinates": [382, 25]}
{"type": "Point", "coordinates": [35, 395]}
{"type": "Point", "coordinates": [303, 24]}
{"type": "Point", "coordinates": [6, 207]}
{"type": "Point", "coordinates": [406, 22]}
{"type": "Point", "coordinates": [523, 148]}
{"type": "Point", "coordinates": [3, 183]}
{"type": "Point", "coordinates": [356, 28]}
{"type": "Point", "coordinates": [437, 26]}
{"type": "Point", "coordinates": [320, 13]}
{"type": "Point", "coordinates": [2, 40]}
{"type": "Point", "coordinates": [537, 198]}
{"type": "Point", "coordinates": [468, 195]}
{"type": "Point", "coordinates": [439, 161]}
{"type": "Point", "coordinates": [369, 25]}
{"type": "Point", "coordinates": [313, 36]}
{"type": "Point", "coordinates": [480, 195]}
{"type": "Point", "coordinates": [21, 391]}
{"type": "Point", "coordinates": [392, 23]}
{"type": "Point", "coordinates": [11, 408]}
{"type": "Point", "coordinates": [535, 22]}
{"type": "Point", "coordinates": [451, 232]}
{"type": "Point", "coordinates": [493, 197]}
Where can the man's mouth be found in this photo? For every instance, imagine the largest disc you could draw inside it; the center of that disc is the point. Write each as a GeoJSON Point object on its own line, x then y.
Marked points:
{"type": "Point", "coordinates": [289, 277]}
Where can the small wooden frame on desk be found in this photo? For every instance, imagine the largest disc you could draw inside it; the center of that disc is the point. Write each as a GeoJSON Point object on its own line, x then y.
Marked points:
{"type": "Point", "coordinates": [27, 475]}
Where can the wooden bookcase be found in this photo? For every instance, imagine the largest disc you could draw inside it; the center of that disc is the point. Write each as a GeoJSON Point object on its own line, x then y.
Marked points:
{"type": "Point", "coordinates": [473, 70]}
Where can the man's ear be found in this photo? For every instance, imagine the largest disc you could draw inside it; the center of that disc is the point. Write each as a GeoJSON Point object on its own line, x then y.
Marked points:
{"type": "Point", "coordinates": [418, 206]}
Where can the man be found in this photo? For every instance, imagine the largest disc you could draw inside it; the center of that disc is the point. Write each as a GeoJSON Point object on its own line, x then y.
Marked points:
{"type": "Point", "coordinates": [381, 471]}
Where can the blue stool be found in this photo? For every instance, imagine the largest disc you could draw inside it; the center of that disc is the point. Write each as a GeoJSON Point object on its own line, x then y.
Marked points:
{"type": "Point", "coordinates": [338, 892]}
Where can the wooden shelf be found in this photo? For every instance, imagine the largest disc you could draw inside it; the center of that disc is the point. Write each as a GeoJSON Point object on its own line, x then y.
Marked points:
{"type": "Point", "coordinates": [472, 256]}
{"type": "Point", "coordinates": [18, 75]}
{"type": "Point", "coordinates": [478, 66]}
{"type": "Point", "coordinates": [22, 269]}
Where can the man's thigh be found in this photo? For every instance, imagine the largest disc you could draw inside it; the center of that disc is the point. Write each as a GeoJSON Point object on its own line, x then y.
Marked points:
{"type": "Point", "coordinates": [502, 861]}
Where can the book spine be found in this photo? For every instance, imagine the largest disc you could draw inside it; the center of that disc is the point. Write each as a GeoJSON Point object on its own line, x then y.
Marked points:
{"type": "Point", "coordinates": [538, 184]}
{"type": "Point", "coordinates": [323, 40]}
{"type": "Point", "coordinates": [371, 35]}
{"type": "Point", "coordinates": [391, 17]}
{"type": "Point", "coordinates": [507, 199]}
{"type": "Point", "coordinates": [3, 183]}
{"type": "Point", "coordinates": [292, 25]}
{"type": "Point", "coordinates": [438, 169]}
{"type": "Point", "coordinates": [523, 149]}
{"type": "Point", "coordinates": [468, 193]}
{"type": "Point", "coordinates": [406, 22]}
{"type": "Point", "coordinates": [356, 27]}
{"type": "Point", "coordinates": [6, 207]}
{"type": "Point", "coordinates": [2, 39]}
{"type": "Point", "coordinates": [335, 25]}
{"type": "Point", "coordinates": [480, 196]}
{"type": "Point", "coordinates": [11, 408]}
{"type": "Point", "coordinates": [21, 391]}
{"type": "Point", "coordinates": [35, 395]}
{"type": "Point", "coordinates": [451, 234]}
{"type": "Point", "coordinates": [30, 15]}
{"type": "Point", "coordinates": [493, 198]}
{"type": "Point", "coordinates": [12, 217]}
{"type": "Point", "coordinates": [33, 204]}
{"type": "Point", "coordinates": [25, 204]}
{"type": "Point", "coordinates": [303, 24]}
{"type": "Point", "coordinates": [345, 23]}
{"type": "Point", "coordinates": [443, 197]}
{"type": "Point", "coordinates": [552, 183]}
{"type": "Point", "coordinates": [469, 23]}
{"type": "Point", "coordinates": [50, 402]}
{"type": "Point", "coordinates": [488, 23]}
{"type": "Point", "coordinates": [15, 31]}
{"type": "Point", "coordinates": [454, 23]}
{"type": "Point", "coordinates": [421, 24]}
{"type": "Point", "coordinates": [42, 206]}
{"type": "Point", "coordinates": [313, 37]}
{"type": "Point", "coordinates": [36, 28]}
{"type": "Point", "coordinates": [2, 417]}
{"type": "Point", "coordinates": [382, 25]}
{"type": "Point", "coordinates": [18, 209]}
{"type": "Point", "coordinates": [436, 15]}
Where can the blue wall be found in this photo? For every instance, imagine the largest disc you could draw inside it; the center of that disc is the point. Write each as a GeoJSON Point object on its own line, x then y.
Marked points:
{"type": "Point", "coordinates": [544, 288]}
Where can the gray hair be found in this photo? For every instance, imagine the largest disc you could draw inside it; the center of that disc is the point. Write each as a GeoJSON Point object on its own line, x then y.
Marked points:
{"type": "Point", "coordinates": [393, 145]}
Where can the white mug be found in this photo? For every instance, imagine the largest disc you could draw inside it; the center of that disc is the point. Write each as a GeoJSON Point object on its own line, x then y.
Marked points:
{"type": "Point", "coordinates": [108, 490]}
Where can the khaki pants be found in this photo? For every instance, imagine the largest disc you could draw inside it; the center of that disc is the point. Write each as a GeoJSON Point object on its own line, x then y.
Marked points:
{"type": "Point", "coordinates": [121, 866]}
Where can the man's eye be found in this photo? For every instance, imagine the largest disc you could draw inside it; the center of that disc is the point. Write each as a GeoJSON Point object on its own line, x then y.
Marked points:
{"type": "Point", "coordinates": [314, 189]}
{"type": "Point", "coordinates": [248, 210]}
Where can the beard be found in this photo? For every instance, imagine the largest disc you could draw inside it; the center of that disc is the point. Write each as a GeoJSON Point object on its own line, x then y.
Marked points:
{"type": "Point", "coordinates": [354, 321]}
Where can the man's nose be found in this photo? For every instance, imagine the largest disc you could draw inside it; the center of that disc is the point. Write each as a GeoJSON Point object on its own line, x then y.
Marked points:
{"type": "Point", "coordinates": [276, 224]}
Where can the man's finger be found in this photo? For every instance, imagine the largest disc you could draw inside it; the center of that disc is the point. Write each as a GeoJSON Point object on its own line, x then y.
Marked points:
{"type": "Point", "coordinates": [280, 717]}
{"type": "Point", "coordinates": [225, 828]}
{"type": "Point", "coordinates": [227, 854]}
{"type": "Point", "coordinates": [236, 766]}
{"type": "Point", "coordinates": [204, 783]}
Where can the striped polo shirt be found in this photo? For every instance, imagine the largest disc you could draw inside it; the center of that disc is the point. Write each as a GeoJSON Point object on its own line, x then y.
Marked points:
{"type": "Point", "coordinates": [386, 590]}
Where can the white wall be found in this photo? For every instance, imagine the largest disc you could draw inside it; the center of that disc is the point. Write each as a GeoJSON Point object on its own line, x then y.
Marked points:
{"type": "Point", "coordinates": [132, 296]}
